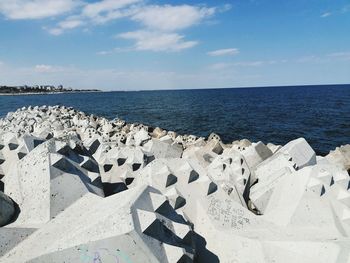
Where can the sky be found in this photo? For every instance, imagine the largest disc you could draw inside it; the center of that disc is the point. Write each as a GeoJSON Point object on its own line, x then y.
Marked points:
{"type": "Point", "coordinates": [146, 44]}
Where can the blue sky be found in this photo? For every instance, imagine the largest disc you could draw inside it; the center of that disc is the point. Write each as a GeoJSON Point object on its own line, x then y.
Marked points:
{"type": "Point", "coordinates": [145, 44]}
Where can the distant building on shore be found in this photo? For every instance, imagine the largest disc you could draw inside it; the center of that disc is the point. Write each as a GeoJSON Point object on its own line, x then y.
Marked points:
{"type": "Point", "coordinates": [37, 89]}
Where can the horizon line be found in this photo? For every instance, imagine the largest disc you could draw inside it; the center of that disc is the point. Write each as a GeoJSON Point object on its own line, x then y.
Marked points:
{"type": "Point", "coordinates": [241, 87]}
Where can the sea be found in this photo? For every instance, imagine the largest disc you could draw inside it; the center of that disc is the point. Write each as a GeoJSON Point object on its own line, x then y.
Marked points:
{"type": "Point", "coordinates": [320, 114]}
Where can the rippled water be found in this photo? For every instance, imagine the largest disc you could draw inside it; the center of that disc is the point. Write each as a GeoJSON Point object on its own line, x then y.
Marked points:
{"type": "Point", "coordinates": [320, 114]}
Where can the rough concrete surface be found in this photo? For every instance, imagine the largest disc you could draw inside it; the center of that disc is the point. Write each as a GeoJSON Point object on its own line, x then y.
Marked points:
{"type": "Point", "coordinates": [80, 188]}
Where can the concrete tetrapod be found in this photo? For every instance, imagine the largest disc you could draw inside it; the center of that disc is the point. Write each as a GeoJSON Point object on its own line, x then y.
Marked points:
{"type": "Point", "coordinates": [136, 225]}
{"type": "Point", "coordinates": [87, 189]}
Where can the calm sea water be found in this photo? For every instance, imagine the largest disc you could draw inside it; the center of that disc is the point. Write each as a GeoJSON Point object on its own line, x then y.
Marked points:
{"type": "Point", "coordinates": [320, 114]}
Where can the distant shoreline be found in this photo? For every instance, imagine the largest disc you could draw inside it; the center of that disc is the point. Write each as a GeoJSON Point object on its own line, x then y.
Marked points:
{"type": "Point", "coordinates": [47, 93]}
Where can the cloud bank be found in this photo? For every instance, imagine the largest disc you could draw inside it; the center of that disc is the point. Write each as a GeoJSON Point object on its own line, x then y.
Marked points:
{"type": "Point", "coordinates": [160, 26]}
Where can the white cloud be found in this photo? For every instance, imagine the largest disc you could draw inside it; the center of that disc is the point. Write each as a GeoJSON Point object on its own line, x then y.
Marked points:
{"type": "Point", "coordinates": [166, 18]}
{"type": "Point", "coordinates": [220, 66]}
{"type": "Point", "coordinates": [224, 52]}
{"type": "Point", "coordinates": [250, 63]}
{"type": "Point", "coordinates": [68, 23]}
{"type": "Point", "coordinates": [117, 79]}
{"type": "Point", "coordinates": [224, 65]}
{"type": "Point", "coordinates": [104, 11]}
{"type": "Point", "coordinates": [96, 13]}
{"type": "Point", "coordinates": [42, 68]}
{"type": "Point", "coordinates": [340, 11]}
{"type": "Point", "coordinates": [224, 8]}
{"type": "Point", "coordinates": [112, 15]}
{"type": "Point", "coordinates": [160, 24]}
{"type": "Point", "coordinates": [36, 9]}
{"type": "Point", "coordinates": [326, 14]}
{"type": "Point", "coordinates": [55, 31]}
{"type": "Point", "coordinates": [340, 55]}
{"type": "Point", "coordinates": [47, 69]}
{"type": "Point", "coordinates": [345, 9]}
{"type": "Point", "coordinates": [257, 63]}
{"type": "Point", "coordinates": [325, 58]}
{"type": "Point", "coordinates": [226, 75]}
{"type": "Point", "coordinates": [104, 52]}
{"type": "Point", "coordinates": [309, 59]}
{"type": "Point", "coordinates": [102, 7]}
{"type": "Point", "coordinates": [114, 50]}
{"type": "Point", "coordinates": [171, 18]}
{"type": "Point", "coordinates": [157, 41]}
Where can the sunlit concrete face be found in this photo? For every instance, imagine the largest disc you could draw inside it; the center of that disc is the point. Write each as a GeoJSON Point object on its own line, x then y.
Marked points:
{"type": "Point", "coordinates": [77, 187]}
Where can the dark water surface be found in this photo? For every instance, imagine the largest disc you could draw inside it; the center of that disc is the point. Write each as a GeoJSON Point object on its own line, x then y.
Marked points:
{"type": "Point", "coordinates": [320, 114]}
